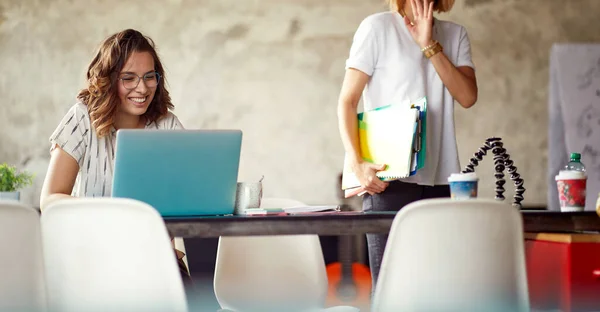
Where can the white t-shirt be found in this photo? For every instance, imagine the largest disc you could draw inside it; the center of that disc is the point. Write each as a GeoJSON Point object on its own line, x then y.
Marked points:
{"type": "Point", "coordinates": [384, 49]}
{"type": "Point", "coordinates": [95, 156]}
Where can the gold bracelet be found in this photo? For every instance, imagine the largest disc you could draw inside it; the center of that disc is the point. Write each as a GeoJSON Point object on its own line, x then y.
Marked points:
{"type": "Point", "coordinates": [429, 46]}
{"type": "Point", "coordinates": [432, 49]}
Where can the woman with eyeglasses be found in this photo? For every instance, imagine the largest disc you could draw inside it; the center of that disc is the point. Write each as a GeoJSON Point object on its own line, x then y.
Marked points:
{"type": "Point", "coordinates": [398, 57]}
{"type": "Point", "coordinates": [125, 90]}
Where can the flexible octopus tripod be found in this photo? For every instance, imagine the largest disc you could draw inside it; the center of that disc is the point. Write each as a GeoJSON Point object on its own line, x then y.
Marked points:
{"type": "Point", "coordinates": [501, 162]}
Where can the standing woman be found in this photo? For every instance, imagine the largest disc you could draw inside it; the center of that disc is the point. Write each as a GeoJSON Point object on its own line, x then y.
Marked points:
{"type": "Point", "coordinates": [399, 56]}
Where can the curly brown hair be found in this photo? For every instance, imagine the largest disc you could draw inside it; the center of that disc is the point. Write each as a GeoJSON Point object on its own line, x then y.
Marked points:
{"type": "Point", "coordinates": [101, 93]}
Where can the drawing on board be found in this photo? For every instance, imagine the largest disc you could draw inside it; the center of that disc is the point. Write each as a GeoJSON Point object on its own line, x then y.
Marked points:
{"type": "Point", "coordinates": [588, 120]}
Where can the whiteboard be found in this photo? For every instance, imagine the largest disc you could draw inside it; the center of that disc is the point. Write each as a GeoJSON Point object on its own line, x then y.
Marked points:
{"type": "Point", "coordinates": [574, 115]}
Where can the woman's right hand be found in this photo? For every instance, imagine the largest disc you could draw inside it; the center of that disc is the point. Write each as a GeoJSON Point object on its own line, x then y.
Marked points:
{"type": "Point", "coordinates": [354, 83]}
{"type": "Point", "coordinates": [366, 174]}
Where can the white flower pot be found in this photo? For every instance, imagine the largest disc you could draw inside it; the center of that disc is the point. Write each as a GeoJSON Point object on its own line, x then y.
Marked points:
{"type": "Point", "coordinates": [16, 196]}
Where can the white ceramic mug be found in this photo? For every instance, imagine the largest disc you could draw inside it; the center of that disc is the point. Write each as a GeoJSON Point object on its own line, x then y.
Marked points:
{"type": "Point", "coordinates": [248, 195]}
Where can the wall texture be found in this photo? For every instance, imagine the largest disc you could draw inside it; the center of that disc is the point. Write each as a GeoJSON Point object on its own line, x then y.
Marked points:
{"type": "Point", "coordinates": [273, 68]}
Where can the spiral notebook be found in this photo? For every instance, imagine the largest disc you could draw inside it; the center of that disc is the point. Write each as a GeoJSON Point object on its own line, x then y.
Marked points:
{"type": "Point", "coordinates": [387, 135]}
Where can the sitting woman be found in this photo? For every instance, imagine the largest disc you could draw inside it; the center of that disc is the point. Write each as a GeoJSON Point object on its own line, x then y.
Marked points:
{"type": "Point", "coordinates": [125, 90]}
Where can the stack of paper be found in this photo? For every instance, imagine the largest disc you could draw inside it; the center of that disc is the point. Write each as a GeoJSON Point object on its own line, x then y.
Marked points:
{"type": "Point", "coordinates": [291, 210]}
{"type": "Point", "coordinates": [308, 209]}
{"type": "Point", "coordinates": [263, 212]}
{"type": "Point", "coordinates": [394, 136]}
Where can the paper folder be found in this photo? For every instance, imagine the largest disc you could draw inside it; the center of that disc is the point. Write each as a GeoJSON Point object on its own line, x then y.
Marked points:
{"type": "Point", "coordinates": [394, 135]}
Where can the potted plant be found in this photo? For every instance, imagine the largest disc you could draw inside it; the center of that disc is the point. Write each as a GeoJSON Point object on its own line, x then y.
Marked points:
{"type": "Point", "coordinates": [12, 181]}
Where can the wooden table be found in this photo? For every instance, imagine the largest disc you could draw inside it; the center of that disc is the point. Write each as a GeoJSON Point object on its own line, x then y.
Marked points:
{"type": "Point", "coordinates": [351, 223]}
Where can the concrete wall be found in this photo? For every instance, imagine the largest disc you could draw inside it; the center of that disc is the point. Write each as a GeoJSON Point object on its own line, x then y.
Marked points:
{"type": "Point", "coordinates": [273, 68]}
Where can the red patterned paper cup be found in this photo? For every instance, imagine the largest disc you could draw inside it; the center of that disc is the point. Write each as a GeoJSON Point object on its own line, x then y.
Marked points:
{"type": "Point", "coordinates": [571, 190]}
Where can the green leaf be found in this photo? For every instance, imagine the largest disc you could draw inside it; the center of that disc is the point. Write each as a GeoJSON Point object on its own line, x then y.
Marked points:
{"type": "Point", "coordinates": [11, 180]}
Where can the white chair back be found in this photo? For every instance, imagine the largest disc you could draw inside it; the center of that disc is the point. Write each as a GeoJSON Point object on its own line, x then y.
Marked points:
{"type": "Point", "coordinates": [271, 273]}
{"type": "Point", "coordinates": [450, 255]}
{"type": "Point", "coordinates": [109, 254]}
{"type": "Point", "coordinates": [22, 285]}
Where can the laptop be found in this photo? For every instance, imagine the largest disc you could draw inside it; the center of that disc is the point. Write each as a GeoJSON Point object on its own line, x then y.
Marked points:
{"type": "Point", "coordinates": [178, 172]}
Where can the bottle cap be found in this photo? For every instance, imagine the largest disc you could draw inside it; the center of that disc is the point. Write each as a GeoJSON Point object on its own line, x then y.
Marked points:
{"type": "Point", "coordinates": [575, 156]}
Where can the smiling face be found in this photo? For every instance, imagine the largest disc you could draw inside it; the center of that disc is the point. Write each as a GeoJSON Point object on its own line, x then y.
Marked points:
{"type": "Point", "coordinates": [135, 99]}
{"type": "Point", "coordinates": [125, 84]}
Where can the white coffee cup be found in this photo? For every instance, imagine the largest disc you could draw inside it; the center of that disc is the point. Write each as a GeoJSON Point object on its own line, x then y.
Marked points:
{"type": "Point", "coordinates": [571, 190]}
{"type": "Point", "coordinates": [463, 185]}
{"type": "Point", "coordinates": [248, 195]}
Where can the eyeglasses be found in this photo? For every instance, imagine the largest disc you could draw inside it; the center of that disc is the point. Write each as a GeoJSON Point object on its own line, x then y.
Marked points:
{"type": "Point", "coordinates": [131, 81]}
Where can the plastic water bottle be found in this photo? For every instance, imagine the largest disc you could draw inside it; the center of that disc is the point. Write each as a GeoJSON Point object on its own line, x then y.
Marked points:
{"type": "Point", "coordinates": [575, 163]}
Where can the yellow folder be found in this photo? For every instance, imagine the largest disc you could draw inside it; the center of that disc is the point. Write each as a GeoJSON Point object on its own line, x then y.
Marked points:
{"type": "Point", "coordinates": [386, 136]}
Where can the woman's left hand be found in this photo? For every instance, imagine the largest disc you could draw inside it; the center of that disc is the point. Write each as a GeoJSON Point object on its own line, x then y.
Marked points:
{"type": "Point", "coordinates": [423, 22]}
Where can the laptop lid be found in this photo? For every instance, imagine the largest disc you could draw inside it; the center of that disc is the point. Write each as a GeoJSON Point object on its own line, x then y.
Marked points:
{"type": "Point", "coordinates": [178, 172]}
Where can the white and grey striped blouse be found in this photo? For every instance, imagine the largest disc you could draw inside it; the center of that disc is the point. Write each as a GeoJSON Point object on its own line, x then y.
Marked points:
{"type": "Point", "coordinates": [95, 156]}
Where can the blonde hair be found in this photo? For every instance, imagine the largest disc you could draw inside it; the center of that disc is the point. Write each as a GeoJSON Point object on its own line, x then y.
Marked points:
{"type": "Point", "coordinates": [438, 5]}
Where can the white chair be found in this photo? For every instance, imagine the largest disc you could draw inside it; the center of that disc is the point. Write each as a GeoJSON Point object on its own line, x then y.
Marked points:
{"type": "Point", "coordinates": [109, 254]}
{"type": "Point", "coordinates": [22, 285]}
{"type": "Point", "coordinates": [271, 273]}
{"type": "Point", "coordinates": [450, 255]}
